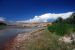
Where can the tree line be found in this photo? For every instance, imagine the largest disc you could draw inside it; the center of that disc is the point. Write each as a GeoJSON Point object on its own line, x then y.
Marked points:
{"type": "Point", "coordinates": [70, 20]}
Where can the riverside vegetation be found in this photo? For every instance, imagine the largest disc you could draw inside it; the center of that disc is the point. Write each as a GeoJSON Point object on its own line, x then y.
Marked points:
{"type": "Point", "coordinates": [48, 38]}
{"type": "Point", "coordinates": [44, 40]}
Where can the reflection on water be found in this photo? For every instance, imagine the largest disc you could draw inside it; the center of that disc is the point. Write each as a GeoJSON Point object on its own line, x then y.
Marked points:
{"type": "Point", "coordinates": [8, 33]}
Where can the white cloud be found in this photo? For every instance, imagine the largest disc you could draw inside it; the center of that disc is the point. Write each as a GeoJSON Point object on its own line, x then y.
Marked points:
{"type": "Point", "coordinates": [47, 16]}
{"type": "Point", "coordinates": [2, 19]}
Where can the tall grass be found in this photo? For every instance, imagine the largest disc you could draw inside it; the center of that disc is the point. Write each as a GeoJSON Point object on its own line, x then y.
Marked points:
{"type": "Point", "coordinates": [47, 41]}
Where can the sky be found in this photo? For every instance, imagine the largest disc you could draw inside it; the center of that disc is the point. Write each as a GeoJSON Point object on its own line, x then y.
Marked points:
{"type": "Point", "coordinates": [16, 10]}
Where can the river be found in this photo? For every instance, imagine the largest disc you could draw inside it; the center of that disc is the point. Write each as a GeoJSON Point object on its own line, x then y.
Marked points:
{"type": "Point", "coordinates": [9, 33]}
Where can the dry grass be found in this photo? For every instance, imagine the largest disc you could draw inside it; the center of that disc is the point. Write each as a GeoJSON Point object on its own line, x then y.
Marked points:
{"type": "Point", "coordinates": [44, 40]}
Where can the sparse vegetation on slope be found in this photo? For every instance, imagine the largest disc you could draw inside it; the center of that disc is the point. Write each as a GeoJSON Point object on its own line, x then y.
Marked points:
{"type": "Point", "coordinates": [44, 40]}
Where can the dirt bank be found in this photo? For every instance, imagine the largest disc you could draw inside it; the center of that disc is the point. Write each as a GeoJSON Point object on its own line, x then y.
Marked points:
{"type": "Point", "coordinates": [16, 42]}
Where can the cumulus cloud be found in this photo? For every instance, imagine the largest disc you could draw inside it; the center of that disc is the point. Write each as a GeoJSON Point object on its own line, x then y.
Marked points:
{"type": "Point", "coordinates": [48, 16]}
{"type": "Point", "coordinates": [2, 19]}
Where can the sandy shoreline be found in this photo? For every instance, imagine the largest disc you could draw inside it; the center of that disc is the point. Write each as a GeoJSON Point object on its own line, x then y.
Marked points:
{"type": "Point", "coordinates": [15, 42]}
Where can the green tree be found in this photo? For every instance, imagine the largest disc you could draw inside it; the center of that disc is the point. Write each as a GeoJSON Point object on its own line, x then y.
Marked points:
{"type": "Point", "coordinates": [59, 20]}
{"type": "Point", "coordinates": [71, 19]}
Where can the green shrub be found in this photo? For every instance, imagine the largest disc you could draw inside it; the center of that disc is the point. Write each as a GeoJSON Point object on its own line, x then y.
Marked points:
{"type": "Point", "coordinates": [61, 28]}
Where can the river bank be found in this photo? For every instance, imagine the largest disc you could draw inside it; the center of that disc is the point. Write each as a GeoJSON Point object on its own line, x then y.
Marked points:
{"type": "Point", "coordinates": [14, 44]}
{"type": "Point", "coordinates": [40, 39]}
{"type": "Point", "coordinates": [10, 33]}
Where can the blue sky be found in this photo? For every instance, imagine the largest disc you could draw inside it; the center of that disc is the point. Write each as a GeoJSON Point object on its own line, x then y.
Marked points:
{"type": "Point", "coordinates": [25, 9]}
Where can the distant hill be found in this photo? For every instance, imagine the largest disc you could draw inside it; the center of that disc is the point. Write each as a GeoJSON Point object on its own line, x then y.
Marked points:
{"type": "Point", "coordinates": [2, 23]}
